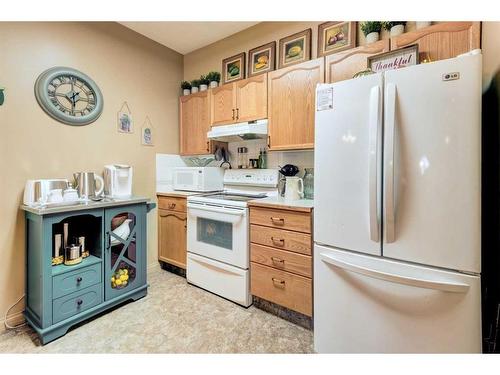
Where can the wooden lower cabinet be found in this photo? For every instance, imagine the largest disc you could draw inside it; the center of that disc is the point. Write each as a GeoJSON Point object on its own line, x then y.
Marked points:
{"type": "Point", "coordinates": [172, 231]}
{"type": "Point", "coordinates": [281, 256]}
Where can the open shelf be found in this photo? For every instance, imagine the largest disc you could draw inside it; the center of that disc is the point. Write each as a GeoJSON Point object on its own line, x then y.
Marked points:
{"type": "Point", "coordinates": [61, 268]}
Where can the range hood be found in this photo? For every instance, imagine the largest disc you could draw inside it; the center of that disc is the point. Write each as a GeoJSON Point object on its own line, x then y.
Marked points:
{"type": "Point", "coordinates": [243, 131]}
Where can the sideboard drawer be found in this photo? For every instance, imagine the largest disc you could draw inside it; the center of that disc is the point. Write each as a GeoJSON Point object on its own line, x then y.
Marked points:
{"type": "Point", "coordinates": [75, 303]}
{"type": "Point", "coordinates": [281, 239]}
{"type": "Point", "coordinates": [283, 260]}
{"type": "Point", "coordinates": [172, 203]}
{"type": "Point", "coordinates": [284, 288]}
{"type": "Point", "coordinates": [283, 219]}
{"type": "Point", "coordinates": [74, 281]}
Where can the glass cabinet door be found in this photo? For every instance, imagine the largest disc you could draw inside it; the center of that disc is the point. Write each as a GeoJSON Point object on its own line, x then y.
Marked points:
{"type": "Point", "coordinates": [123, 266]}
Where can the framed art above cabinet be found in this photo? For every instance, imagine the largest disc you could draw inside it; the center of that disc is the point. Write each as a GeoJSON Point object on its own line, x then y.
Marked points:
{"type": "Point", "coordinates": [69, 96]}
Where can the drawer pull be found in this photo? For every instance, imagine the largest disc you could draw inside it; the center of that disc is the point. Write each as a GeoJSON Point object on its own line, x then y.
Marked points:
{"type": "Point", "coordinates": [278, 260]}
{"type": "Point", "coordinates": [79, 279]}
{"type": "Point", "coordinates": [278, 241]}
{"type": "Point", "coordinates": [278, 283]}
{"type": "Point", "coordinates": [79, 302]}
{"type": "Point", "coordinates": [278, 220]}
{"type": "Point", "coordinates": [171, 206]}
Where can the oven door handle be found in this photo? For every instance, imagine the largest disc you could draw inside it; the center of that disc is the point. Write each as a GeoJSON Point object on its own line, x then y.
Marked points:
{"type": "Point", "coordinates": [215, 213]}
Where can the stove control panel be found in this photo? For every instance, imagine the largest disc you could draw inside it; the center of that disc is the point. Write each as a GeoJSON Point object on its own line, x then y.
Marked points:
{"type": "Point", "coordinates": [251, 177]}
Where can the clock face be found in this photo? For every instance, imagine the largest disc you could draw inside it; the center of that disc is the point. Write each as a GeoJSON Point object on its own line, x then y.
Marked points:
{"type": "Point", "coordinates": [69, 96]}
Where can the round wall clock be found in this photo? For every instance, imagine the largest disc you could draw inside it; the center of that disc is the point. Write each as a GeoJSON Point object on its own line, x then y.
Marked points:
{"type": "Point", "coordinates": [69, 96]}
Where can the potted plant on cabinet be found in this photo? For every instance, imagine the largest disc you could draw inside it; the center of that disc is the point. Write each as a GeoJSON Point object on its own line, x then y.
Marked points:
{"type": "Point", "coordinates": [371, 30]}
{"type": "Point", "coordinates": [195, 83]}
{"type": "Point", "coordinates": [395, 27]}
{"type": "Point", "coordinates": [186, 88]}
{"type": "Point", "coordinates": [214, 78]}
{"type": "Point", "coordinates": [204, 83]}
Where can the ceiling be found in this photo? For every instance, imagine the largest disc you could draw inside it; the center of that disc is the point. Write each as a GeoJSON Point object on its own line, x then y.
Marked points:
{"type": "Point", "coordinates": [185, 37]}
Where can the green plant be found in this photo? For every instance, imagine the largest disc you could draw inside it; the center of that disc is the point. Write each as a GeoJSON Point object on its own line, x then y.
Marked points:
{"type": "Point", "coordinates": [389, 24]}
{"type": "Point", "coordinates": [368, 27]}
{"type": "Point", "coordinates": [204, 80]}
{"type": "Point", "coordinates": [195, 83]}
{"type": "Point", "coordinates": [185, 85]}
{"type": "Point", "coordinates": [213, 76]}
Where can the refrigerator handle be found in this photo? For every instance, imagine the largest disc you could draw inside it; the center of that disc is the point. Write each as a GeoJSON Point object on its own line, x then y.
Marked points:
{"type": "Point", "coordinates": [441, 285]}
{"type": "Point", "coordinates": [374, 127]}
{"type": "Point", "coordinates": [390, 128]}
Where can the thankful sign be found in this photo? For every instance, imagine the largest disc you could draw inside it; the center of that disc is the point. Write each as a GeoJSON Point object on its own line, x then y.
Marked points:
{"type": "Point", "coordinates": [394, 60]}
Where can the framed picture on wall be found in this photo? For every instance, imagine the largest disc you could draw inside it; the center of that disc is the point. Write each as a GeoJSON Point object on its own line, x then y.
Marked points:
{"type": "Point", "coordinates": [261, 59]}
{"type": "Point", "coordinates": [335, 37]}
{"type": "Point", "coordinates": [295, 48]}
{"type": "Point", "coordinates": [233, 68]}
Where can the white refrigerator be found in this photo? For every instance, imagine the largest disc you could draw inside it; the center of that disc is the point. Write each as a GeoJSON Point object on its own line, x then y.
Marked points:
{"type": "Point", "coordinates": [397, 211]}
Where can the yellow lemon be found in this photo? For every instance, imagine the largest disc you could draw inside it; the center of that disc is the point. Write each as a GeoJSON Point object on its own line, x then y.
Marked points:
{"type": "Point", "coordinates": [125, 277]}
{"type": "Point", "coordinates": [118, 282]}
{"type": "Point", "coordinates": [112, 278]}
{"type": "Point", "coordinates": [125, 283]}
{"type": "Point", "coordinates": [122, 277]}
{"type": "Point", "coordinates": [125, 271]}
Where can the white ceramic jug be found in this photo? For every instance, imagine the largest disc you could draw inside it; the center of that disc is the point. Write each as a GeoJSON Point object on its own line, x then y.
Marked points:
{"type": "Point", "coordinates": [294, 188]}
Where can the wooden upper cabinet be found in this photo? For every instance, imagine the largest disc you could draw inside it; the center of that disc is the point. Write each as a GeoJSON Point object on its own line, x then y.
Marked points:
{"type": "Point", "coordinates": [344, 65]}
{"type": "Point", "coordinates": [251, 98]}
{"type": "Point", "coordinates": [194, 124]}
{"type": "Point", "coordinates": [223, 108]}
{"type": "Point", "coordinates": [291, 101]}
{"type": "Point", "coordinates": [443, 40]}
{"type": "Point", "coordinates": [241, 101]}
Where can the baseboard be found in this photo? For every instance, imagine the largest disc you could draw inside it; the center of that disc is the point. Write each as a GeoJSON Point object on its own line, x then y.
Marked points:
{"type": "Point", "coordinates": [13, 319]}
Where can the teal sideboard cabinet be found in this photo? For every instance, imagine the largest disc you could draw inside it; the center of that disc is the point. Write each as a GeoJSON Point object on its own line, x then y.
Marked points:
{"type": "Point", "coordinates": [60, 296]}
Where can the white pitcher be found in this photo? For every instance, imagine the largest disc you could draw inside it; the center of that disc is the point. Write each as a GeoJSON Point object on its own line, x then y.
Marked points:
{"type": "Point", "coordinates": [294, 188]}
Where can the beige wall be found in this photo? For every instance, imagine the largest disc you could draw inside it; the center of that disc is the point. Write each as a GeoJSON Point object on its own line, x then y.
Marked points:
{"type": "Point", "coordinates": [491, 49]}
{"type": "Point", "coordinates": [210, 57]}
{"type": "Point", "coordinates": [127, 67]}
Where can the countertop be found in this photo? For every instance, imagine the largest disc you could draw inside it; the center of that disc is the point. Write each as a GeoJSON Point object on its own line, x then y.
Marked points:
{"type": "Point", "coordinates": [83, 205]}
{"type": "Point", "coordinates": [167, 190]}
{"type": "Point", "coordinates": [280, 202]}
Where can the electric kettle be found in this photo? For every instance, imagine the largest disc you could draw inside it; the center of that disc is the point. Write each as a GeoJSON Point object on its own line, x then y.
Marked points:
{"type": "Point", "coordinates": [85, 184]}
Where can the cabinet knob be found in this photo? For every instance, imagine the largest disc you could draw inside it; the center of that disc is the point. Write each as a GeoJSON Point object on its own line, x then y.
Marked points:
{"type": "Point", "coordinates": [237, 113]}
{"type": "Point", "coordinates": [208, 146]}
{"type": "Point", "coordinates": [278, 241]}
{"type": "Point", "coordinates": [79, 302]}
{"type": "Point", "coordinates": [278, 220]}
{"type": "Point", "coordinates": [79, 279]}
{"type": "Point", "coordinates": [278, 260]}
{"type": "Point", "coordinates": [233, 113]}
{"type": "Point", "coordinates": [278, 283]}
{"type": "Point", "coordinates": [171, 205]}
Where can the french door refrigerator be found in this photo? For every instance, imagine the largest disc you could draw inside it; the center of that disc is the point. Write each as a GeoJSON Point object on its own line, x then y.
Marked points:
{"type": "Point", "coordinates": [397, 211]}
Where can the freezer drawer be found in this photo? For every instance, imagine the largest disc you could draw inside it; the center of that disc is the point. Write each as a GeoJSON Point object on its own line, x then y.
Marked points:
{"type": "Point", "coordinates": [366, 304]}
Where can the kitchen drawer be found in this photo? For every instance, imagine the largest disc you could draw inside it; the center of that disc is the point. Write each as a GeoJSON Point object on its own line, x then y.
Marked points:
{"type": "Point", "coordinates": [172, 203]}
{"type": "Point", "coordinates": [284, 219]}
{"type": "Point", "coordinates": [283, 260]}
{"type": "Point", "coordinates": [281, 239]}
{"type": "Point", "coordinates": [75, 303]}
{"type": "Point", "coordinates": [74, 281]}
{"type": "Point", "coordinates": [283, 288]}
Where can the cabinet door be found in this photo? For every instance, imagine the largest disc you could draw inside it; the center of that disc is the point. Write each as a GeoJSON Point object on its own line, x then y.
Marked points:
{"type": "Point", "coordinates": [291, 96]}
{"type": "Point", "coordinates": [125, 258]}
{"type": "Point", "coordinates": [172, 237]}
{"type": "Point", "coordinates": [251, 98]}
{"type": "Point", "coordinates": [443, 40]}
{"type": "Point", "coordinates": [194, 124]}
{"type": "Point", "coordinates": [223, 105]}
{"type": "Point", "coordinates": [344, 65]}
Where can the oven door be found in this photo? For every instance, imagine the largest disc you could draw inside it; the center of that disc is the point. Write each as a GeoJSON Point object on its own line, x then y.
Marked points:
{"type": "Point", "coordinates": [219, 233]}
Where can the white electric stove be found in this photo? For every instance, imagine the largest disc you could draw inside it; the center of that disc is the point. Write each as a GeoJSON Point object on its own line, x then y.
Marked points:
{"type": "Point", "coordinates": [218, 233]}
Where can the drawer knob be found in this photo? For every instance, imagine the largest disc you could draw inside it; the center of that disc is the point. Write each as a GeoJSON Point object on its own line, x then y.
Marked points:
{"type": "Point", "coordinates": [278, 260]}
{"type": "Point", "coordinates": [278, 241]}
{"type": "Point", "coordinates": [171, 205]}
{"type": "Point", "coordinates": [278, 283]}
{"type": "Point", "coordinates": [79, 279]}
{"type": "Point", "coordinates": [278, 220]}
{"type": "Point", "coordinates": [79, 302]}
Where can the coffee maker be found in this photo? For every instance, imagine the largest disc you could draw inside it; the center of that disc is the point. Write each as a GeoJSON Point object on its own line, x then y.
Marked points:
{"type": "Point", "coordinates": [117, 181]}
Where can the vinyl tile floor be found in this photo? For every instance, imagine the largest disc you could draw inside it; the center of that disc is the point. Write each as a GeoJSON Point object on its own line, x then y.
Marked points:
{"type": "Point", "coordinates": [174, 317]}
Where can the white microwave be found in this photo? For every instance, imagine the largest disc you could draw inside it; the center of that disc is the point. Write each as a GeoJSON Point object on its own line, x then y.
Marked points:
{"type": "Point", "coordinates": [201, 179]}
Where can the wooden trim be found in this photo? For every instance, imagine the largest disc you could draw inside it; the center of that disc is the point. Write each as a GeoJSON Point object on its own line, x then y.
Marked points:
{"type": "Point", "coordinates": [352, 37]}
